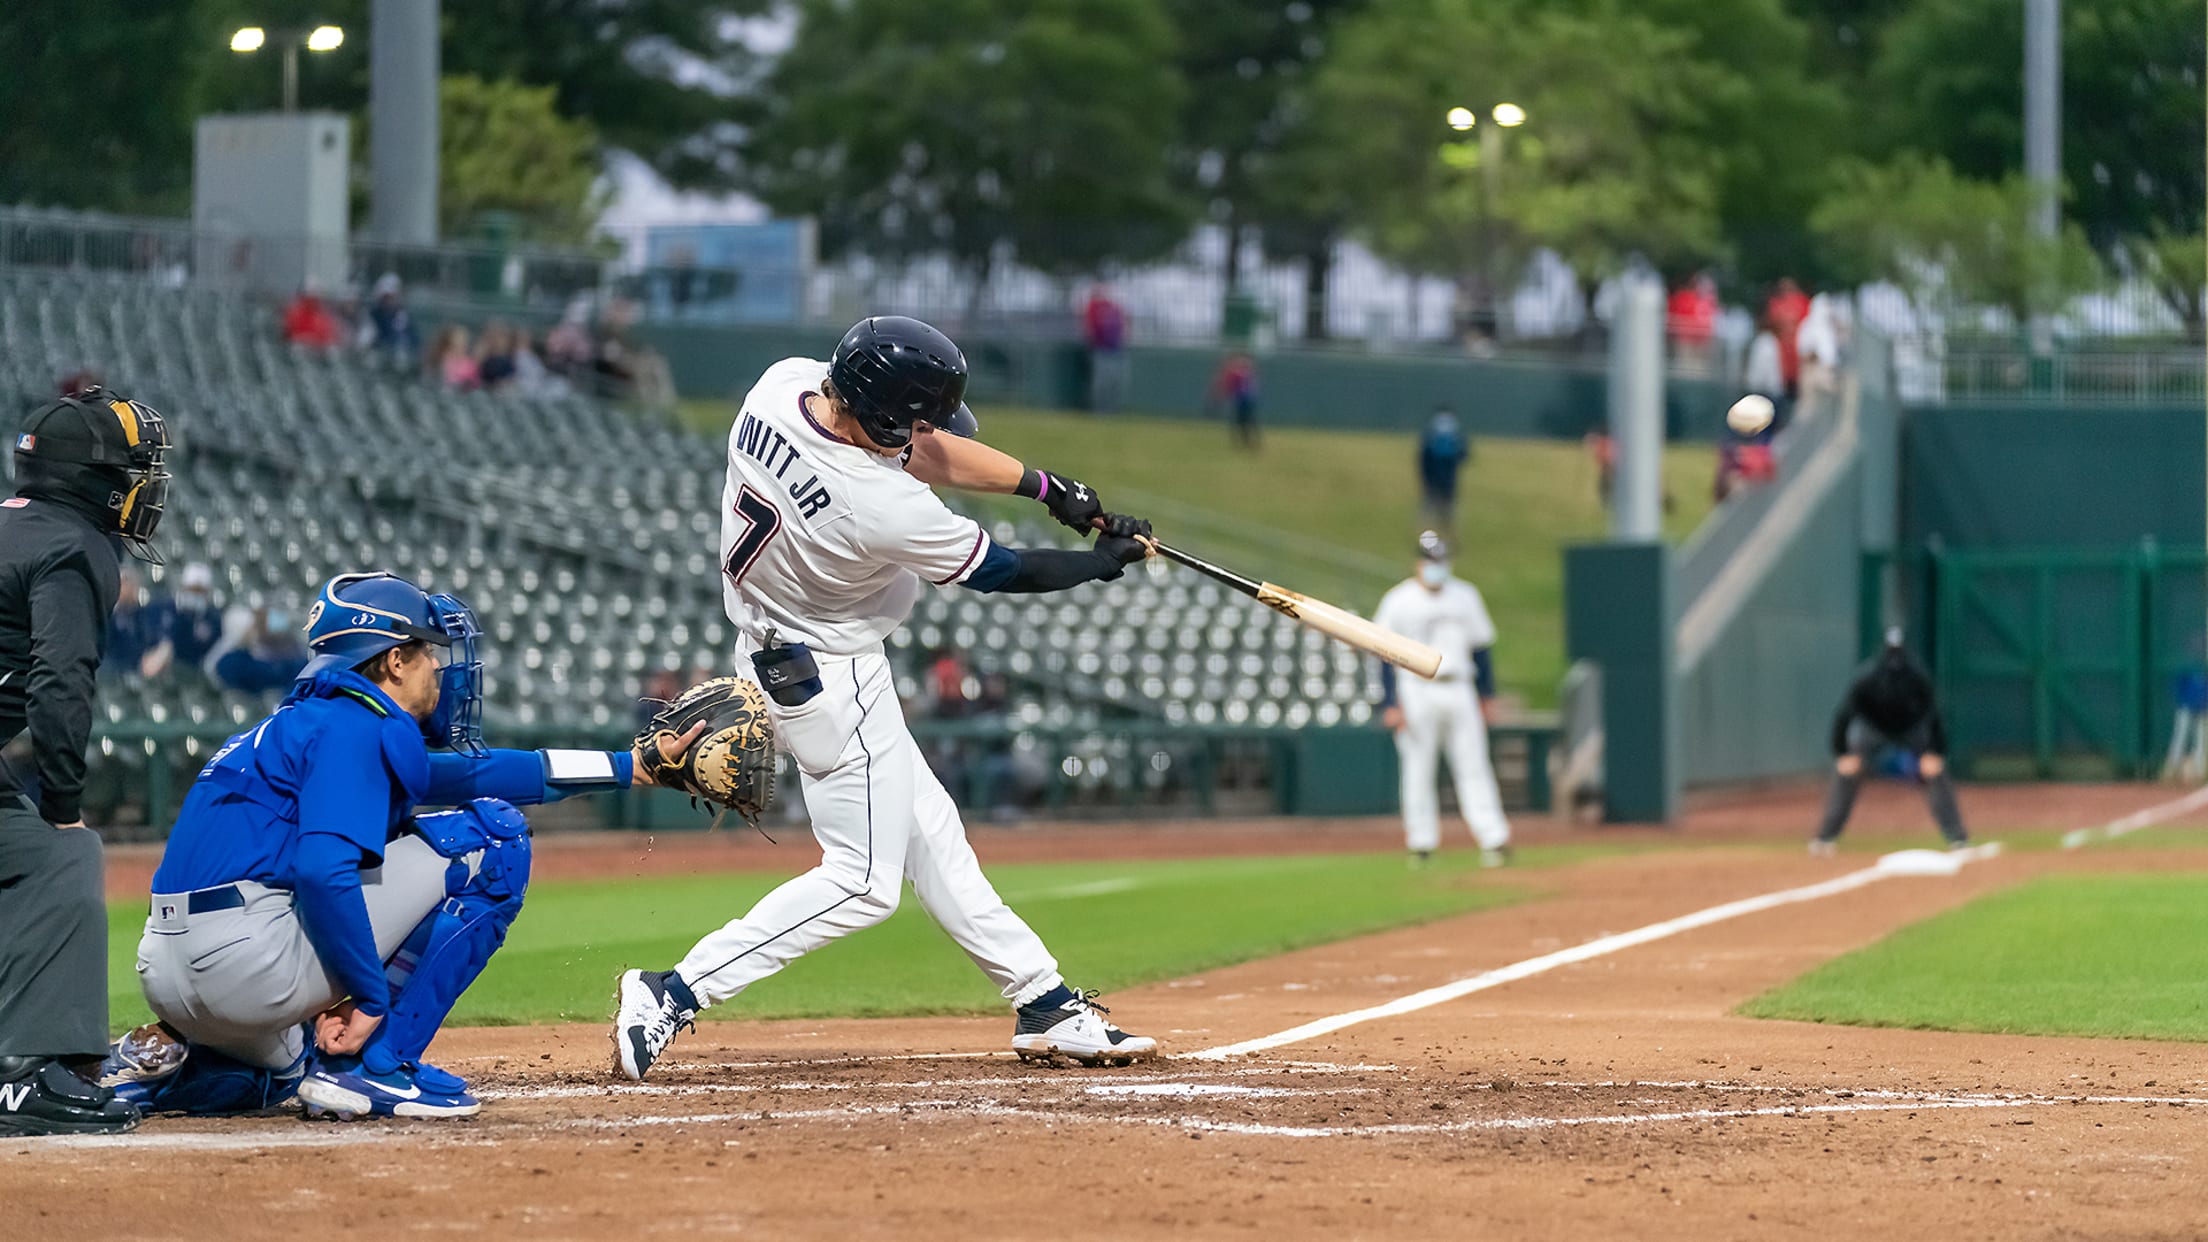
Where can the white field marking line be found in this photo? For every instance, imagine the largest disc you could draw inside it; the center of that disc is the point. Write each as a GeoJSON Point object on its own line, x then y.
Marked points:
{"type": "Point", "coordinates": [1094, 888]}
{"type": "Point", "coordinates": [1532, 966]}
{"type": "Point", "coordinates": [461, 1134]}
{"type": "Point", "coordinates": [2133, 822]}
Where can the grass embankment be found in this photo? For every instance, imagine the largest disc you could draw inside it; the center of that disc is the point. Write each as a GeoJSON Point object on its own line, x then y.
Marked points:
{"type": "Point", "coordinates": [1340, 509]}
{"type": "Point", "coordinates": [2106, 955]}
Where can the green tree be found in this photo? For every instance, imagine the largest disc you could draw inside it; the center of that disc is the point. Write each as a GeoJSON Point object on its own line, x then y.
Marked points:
{"type": "Point", "coordinates": [1949, 77]}
{"type": "Point", "coordinates": [1614, 160]}
{"type": "Point", "coordinates": [1947, 239]}
{"type": "Point", "coordinates": [664, 79]}
{"type": "Point", "coordinates": [503, 147]}
{"type": "Point", "coordinates": [954, 128]}
{"type": "Point", "coordinates": [2176, 264]}
{"type": "Point", "coordinates": [95, 110]}
{"type": "Point", "coordinates": [1245, 61]}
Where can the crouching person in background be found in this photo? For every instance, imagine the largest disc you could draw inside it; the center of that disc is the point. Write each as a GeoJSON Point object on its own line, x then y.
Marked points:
{"type": "Point", "coordinates": [310, 932]}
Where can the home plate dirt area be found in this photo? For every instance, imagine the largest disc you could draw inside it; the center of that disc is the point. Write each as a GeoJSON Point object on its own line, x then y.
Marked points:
{"type": "Point", "coordinates": [1609, 1096]}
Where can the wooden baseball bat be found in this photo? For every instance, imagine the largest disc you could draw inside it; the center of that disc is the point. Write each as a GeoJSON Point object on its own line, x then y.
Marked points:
{"type": "Point", "coordinates": [1337, 623]}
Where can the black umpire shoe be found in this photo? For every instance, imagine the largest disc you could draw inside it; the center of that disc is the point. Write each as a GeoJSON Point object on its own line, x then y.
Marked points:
{"type": "Point", "coordinates": [39, 1095]}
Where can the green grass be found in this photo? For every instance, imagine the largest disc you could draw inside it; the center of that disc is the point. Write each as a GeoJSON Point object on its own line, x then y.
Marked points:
{"type": "Point", "coordinates": [1520, 503]}
{"type": "Point", "coordinates": [1112, 925]}
{"type": "Point", "coordinates": [2106, 955]}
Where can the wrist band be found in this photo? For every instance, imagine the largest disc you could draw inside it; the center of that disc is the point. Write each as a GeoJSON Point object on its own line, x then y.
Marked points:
{"type": "Point", "coordinates": [1033, 485]}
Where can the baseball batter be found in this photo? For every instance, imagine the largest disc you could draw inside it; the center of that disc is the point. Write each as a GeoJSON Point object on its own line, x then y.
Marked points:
{"type": "Point", "coordinates": [1447, 714]}
{"type": "Point", "coordinates": [829, 529]}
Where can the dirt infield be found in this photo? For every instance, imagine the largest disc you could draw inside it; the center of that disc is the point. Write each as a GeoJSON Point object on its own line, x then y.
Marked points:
{"type": "Point", "coordinates": [1611, 1097]}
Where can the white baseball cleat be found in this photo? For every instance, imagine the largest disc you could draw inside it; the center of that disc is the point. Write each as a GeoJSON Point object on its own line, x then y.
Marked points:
{"type": "Point", "coordinates": [1065, 1024]}
{"type": "Point", "coordinates": [645, 1022]}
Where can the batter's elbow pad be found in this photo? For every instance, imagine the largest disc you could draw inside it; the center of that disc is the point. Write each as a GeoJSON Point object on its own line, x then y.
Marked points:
{"type": "Point", "coordinates": [448, 950]}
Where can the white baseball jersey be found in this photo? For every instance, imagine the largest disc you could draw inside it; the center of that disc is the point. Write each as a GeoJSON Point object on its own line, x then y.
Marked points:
{"type": "Point", "coordinates": [821, 538]}
{"type": "Point", "coordinates": [1452, 620]}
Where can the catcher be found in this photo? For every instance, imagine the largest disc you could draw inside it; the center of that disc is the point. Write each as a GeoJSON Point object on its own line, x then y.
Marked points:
{"type": "Point", "coordinates": [309, 931]}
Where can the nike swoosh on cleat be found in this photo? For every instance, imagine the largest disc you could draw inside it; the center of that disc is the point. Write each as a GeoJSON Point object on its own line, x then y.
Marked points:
{"type": "Point", "coordinates": [411, 1093]}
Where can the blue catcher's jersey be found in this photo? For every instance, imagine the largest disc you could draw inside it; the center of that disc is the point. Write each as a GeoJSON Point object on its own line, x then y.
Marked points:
{"type": "Point", "coordinates": [338, 757]}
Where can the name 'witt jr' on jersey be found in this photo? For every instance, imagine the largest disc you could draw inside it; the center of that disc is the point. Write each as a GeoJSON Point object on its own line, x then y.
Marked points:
{"type": "Point", "coordinates": [774, 451]}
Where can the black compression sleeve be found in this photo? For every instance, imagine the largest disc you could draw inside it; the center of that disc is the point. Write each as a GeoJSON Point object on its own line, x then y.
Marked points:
{"type": "Point", "coordinates": [1055, 569]}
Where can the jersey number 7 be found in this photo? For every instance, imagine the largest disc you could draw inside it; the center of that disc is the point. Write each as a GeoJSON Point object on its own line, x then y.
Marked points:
{"type": "Point", "coordinates": [763, 520]}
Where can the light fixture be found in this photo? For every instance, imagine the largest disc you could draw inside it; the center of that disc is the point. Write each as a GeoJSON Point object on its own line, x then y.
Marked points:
{"type": "Point", "coordinates": [248, 39]}
{"type": "Point", "coordinates": [1461, 118]}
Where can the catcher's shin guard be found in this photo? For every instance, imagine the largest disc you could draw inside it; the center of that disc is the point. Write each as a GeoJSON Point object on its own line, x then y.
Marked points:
{"type": "Point", "coordinates": [488, 841]}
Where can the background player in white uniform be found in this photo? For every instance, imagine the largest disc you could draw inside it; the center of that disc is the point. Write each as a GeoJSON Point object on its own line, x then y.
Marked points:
{"type": "Point", "coordinates": [828, 531]}
{"type": "Point", "coordinates": [1448, 713]}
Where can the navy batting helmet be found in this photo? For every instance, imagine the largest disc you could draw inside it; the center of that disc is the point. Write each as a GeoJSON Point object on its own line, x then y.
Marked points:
{"type": "Point", "coordinates": [892, 372]}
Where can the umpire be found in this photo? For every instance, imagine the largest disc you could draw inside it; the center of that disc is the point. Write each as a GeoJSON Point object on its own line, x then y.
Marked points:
{"type": "Point", "coordinates": [89, 474]}
{"type": "Point", "coordinates": [1889, 708]}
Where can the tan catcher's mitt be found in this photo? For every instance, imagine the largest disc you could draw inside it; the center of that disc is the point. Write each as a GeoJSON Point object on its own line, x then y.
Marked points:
{"type": "Point", "coordinates": [732, 764]}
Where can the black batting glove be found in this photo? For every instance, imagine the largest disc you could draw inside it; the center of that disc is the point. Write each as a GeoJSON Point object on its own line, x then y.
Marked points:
{"type": "Point", "coordinates": [1119, 551]}
{"type": "Point", "coordinates": [1072, 502]}
{"type": "Point", "coordinates": [1121, 526]}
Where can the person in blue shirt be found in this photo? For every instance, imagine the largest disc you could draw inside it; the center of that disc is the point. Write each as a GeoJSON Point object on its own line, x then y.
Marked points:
{"type": "Point", "coordinates": [309, 930]}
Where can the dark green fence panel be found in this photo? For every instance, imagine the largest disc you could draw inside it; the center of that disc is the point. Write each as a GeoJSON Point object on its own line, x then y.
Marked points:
{"type": "Point", "coordinates": [2059, 664]}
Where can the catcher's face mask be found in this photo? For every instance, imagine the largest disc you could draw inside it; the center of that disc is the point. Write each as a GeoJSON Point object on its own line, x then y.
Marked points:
{"type": "Point", "coordinates": [458, 720]}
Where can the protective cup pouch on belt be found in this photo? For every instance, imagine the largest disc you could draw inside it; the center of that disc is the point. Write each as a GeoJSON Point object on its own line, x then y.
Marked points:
{"type": "Point", "coordinates": [788, 673]}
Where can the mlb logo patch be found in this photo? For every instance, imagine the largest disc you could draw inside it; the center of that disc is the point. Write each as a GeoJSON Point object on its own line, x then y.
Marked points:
{"type": "Point", "coordinates": [25, 443]}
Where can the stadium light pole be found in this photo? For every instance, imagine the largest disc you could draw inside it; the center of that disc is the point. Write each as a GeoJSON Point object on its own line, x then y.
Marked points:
{"type": "Point", "coordinates": [1501, 117]}
{"type": "Point", "coordinates": [250, 39]}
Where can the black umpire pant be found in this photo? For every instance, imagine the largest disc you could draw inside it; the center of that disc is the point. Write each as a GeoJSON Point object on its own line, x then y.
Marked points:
{"type": "Point", "coordinates": [53, 937]}
{"type": "Point", "coordinates": [1867, 742]}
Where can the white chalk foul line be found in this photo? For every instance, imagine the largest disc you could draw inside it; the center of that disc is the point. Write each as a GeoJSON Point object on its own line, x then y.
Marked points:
{"type": "Point", "coordinates": [1886, 867]}
{"type": "Point", "coordinates": [2161, 812]}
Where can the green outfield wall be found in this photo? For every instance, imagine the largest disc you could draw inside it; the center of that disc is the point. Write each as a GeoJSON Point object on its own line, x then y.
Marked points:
{"type": "Point", "coordinates": [2076, 476]}
{"type": "Point", "coordinates": [1297, 387]}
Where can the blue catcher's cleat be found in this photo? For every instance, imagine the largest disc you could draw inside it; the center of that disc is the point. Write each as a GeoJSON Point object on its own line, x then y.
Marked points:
{"type": "Point", "coordinates": [344, 1088]}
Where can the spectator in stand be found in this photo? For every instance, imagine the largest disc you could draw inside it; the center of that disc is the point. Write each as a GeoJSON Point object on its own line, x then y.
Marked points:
{"type": "Point", "coordinates": [1603, 451]}
{"type": "Point", "coordinates": [1785, 310]}
{"type": "Point", "coordinates": [388, 328]}
{"type": "Point", "coordinates": [1821, 341]}
{"type": "Point", "coordinates": [133, 628]}
{"type": "Point", "coordinates": [948, 675]}
{"type": "Point", "coordinates": [1442, 451]}
{"type": "Point", "coordinates": [661, 687]}
{"type": "Point", "coordinates": [1691, 316]}
{"type": "Point", "coordinates": [495, 367]}
{"type": "Point", "coordinates": [189, 626]}
{"type": "Point", "coordinates": [1234, 386]}
{"type": "Point", "coordinates": [1765, 371]}
{"type": "Point", "coordinates": [531, 378]}
{"type": "Point", "coordinates": [568, 349]}
{"type": "Point", "coordinates": [309, 322]}
{"type": "Point", "coordinates": [259, 651]}
{"type": "Point", "coordinates": [449, 362]}
{"type": "Point", "coordinates": [1104, 328]}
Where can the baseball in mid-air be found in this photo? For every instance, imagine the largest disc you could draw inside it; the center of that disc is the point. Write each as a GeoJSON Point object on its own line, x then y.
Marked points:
{"type": "Point", "coordinates": [1750, 414]}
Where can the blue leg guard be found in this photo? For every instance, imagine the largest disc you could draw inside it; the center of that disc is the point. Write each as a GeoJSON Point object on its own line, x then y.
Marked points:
{"type": "Point", "coordinates": [488, 843]}
{"type": "Point", "coordinates": [212, 1085]}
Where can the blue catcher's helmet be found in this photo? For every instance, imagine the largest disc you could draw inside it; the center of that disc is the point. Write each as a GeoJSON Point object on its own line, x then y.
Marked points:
{"type": "Point", "coordinates": [358, 617]}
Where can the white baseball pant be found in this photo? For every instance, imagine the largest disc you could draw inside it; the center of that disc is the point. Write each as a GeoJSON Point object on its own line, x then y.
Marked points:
{"type": "Point", "coordinates": [881, 818]}
{"type": "Point", "coordinates": [1438, 715]}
